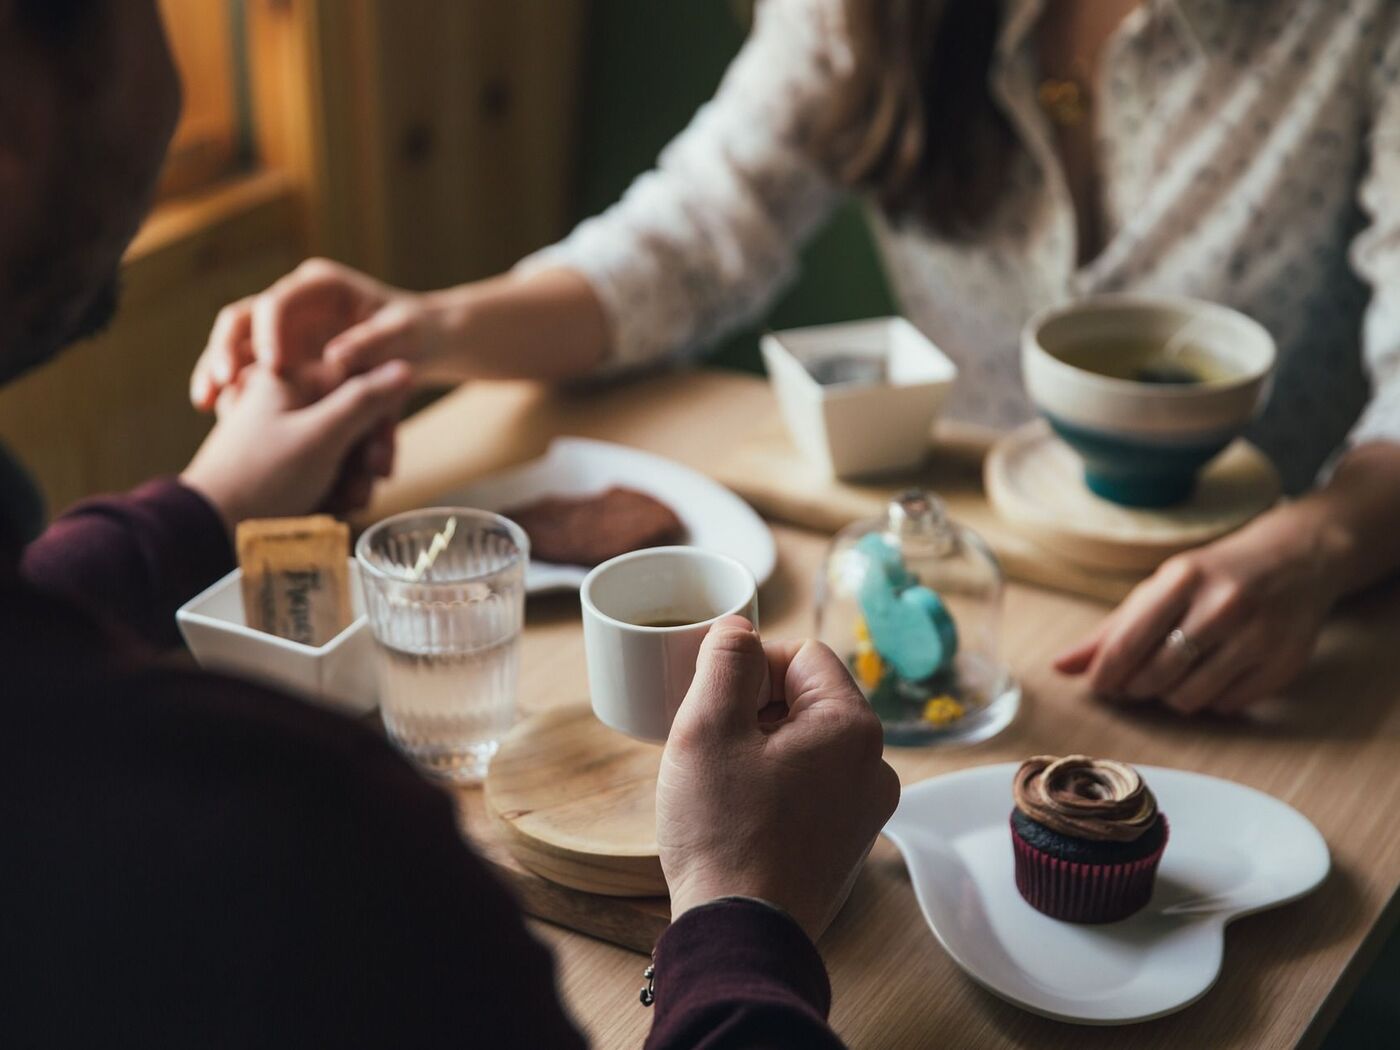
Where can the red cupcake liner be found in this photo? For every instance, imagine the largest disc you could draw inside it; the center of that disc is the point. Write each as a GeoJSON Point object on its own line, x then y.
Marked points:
{"type": "Point", "coordinates": [1088, 893]}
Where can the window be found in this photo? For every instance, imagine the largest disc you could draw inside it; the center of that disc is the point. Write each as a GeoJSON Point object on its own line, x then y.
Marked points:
{"type": "Point", "coordinates": [210, 139]}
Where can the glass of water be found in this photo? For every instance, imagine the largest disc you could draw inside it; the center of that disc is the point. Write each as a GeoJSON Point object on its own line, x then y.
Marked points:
{"type": "Point", "coordinates": [445, 594]}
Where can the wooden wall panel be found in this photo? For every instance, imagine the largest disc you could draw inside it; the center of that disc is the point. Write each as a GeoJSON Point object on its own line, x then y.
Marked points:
{"type": "Point", "coordinates": [431, 142]}
{"type": "Point", "coordinates": [205, 147]}
{"type": "Point", "coordinates": [465, 144]}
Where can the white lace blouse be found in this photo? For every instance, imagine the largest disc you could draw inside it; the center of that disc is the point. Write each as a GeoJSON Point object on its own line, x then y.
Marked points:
{"type": "Point", "coordinates": [1249, 151]}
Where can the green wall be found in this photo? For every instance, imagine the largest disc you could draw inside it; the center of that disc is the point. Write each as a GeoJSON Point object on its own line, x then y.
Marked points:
{"type": "Point", "coordinates": [650, 65]}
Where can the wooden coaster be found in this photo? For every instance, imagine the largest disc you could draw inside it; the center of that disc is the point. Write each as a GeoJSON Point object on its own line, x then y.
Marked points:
{"type": "Point", "coordinates": [1036, 482]}
{"type": "Point", "coordinates": [575, 802]}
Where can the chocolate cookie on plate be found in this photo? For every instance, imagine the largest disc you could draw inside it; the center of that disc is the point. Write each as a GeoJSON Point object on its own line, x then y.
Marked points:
{"type": "Point", "coordinates": [588, 530]}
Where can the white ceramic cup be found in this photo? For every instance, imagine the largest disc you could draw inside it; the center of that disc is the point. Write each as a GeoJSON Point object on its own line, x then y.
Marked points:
{"type": "Point", "coordinates": [638, 673]}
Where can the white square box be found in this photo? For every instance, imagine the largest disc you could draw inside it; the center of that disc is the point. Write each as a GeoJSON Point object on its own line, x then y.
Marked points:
{"type": "Point", "coordinates": [340, 674]}
{"type": "Point", "coordinates": [860, 429]}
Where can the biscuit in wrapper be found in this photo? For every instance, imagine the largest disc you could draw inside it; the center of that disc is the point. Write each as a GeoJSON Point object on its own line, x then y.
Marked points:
{"type": "Point", "coordinates": [296, 583]}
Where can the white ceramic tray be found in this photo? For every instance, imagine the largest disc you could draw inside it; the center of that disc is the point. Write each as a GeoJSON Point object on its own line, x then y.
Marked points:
{"type": "Point", "coordinates": [1233, 850]}
{"type": "Point", "coordinates": [714, 517]}
{"type": "Point", "coordinates": [340, 674]}
{"type": "Point", "coordinates": [851, 430]}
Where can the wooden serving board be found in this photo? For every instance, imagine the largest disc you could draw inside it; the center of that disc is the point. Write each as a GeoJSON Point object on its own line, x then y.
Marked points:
{"type": "Point", "coordinates": [631, 922]}
{"type": "Point", "coordinates": [567, 819]}
{"type": "Point", "coordinates": [575, 802]}
{"type": "Point", "coordinates": [767, 470]}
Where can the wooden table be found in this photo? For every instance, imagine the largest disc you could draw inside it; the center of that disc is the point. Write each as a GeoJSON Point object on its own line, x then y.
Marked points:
{"type": "Point", "coordinates": [1331, 748]}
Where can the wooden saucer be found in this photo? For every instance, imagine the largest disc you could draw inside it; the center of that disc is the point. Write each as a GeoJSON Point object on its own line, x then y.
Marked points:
{"type": "Point", "coordinates": [1036, 482]}
{"type": "Point", "coordinates": [576, 803]}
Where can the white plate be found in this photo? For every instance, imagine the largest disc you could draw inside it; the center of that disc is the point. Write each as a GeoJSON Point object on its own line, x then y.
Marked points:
{"type": "Point", "coordinates": [1232, 851]}
{"type": "Point", "coordinates": [714, 517]}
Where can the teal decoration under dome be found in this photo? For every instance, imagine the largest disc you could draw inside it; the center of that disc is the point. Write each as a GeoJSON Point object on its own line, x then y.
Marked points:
{"type": "Point", "coordinates": [911, 602]}
{"type": "Point", "coordinates": [909, 624]}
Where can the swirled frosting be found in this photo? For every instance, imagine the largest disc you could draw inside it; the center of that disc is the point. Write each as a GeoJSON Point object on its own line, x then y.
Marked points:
{"type": "Point", "coordinates": [1085, 797]}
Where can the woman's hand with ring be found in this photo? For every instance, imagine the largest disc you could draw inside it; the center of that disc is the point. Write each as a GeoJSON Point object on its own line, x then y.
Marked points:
{"type": "Point", "coordinates": [1219, 627]}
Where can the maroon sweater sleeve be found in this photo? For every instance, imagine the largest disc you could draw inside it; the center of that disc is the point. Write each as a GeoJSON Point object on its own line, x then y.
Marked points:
{"type": "Point", "coordinates": [134, 559]}
{"type": "Point", "coordinates": [739, 974]}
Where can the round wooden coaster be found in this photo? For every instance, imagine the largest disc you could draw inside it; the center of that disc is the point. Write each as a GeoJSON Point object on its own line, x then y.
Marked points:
{"type": "Point", "coordinates": [1036, 482]}
{"type": "Point", "coordinates": [577, 803]}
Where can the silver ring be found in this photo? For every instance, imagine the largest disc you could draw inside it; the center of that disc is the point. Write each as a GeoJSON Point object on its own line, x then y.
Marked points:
{"type": "Point", "coordinates": [1181, 642]}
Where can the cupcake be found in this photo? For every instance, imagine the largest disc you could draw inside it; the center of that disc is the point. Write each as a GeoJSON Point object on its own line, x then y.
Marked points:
{"type": "Point", "coordinates": [1087, 837]}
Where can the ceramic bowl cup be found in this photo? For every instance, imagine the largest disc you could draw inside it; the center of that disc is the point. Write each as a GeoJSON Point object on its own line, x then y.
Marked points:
{"type": "Point", "coordinates": [858, 429]}
{"type": "Point", "coordinates": [1144, 443]}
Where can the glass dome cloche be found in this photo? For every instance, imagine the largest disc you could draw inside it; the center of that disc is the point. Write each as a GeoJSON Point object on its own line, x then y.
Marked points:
{"type": "Point", "coordinates": [912, 602]}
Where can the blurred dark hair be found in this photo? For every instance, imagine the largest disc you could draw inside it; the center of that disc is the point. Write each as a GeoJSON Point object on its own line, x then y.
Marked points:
{"type": "Point", "coordinates": [914, 122]}
{"type": "Point", "coordinates": [54, 23]}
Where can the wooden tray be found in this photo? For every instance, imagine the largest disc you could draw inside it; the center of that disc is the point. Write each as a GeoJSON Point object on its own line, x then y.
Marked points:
{"type": "Point", "coordinates": [768, 471]}
{"type": "Point", "coordinates": [631, 922]}
{"type": "Point", "coordinates": [575, 802]}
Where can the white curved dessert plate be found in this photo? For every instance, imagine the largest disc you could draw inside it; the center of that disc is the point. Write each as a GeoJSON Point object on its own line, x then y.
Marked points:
{"type": "Point", "coordinates": [714, 518]}
{"type": "Point", "coordinates": [1233, 850]}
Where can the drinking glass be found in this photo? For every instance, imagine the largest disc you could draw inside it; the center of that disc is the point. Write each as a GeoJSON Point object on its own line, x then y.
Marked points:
{"type": "Point", "coordinates": [445, 594]}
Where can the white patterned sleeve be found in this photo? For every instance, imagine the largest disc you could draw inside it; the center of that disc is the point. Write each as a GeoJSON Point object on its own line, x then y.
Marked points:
{"type": "Point", "coordinates": [706, 240]}
{"type": "Point", "coordinates": [1376, 253]}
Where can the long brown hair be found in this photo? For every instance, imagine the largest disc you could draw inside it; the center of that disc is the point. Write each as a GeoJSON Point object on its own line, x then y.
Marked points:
{"type": "Point", "coordinates": [914, 122]}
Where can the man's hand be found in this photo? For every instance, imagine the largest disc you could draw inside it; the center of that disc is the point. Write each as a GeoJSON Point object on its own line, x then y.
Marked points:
{"type": "Point", "coordinates": [280, 449]}
{"type": "Point", "coordinates": [772, 783]}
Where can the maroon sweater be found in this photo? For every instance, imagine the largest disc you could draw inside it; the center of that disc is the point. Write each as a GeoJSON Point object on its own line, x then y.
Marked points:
{"type": "Point", "coordinates": [191, 860]}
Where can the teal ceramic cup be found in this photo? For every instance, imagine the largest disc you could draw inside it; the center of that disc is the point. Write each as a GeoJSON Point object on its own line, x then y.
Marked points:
{"type": "Point", "coordinates": [1143, 444]}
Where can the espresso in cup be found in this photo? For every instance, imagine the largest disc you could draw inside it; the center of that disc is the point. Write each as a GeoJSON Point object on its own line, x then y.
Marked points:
{"type": "Point", "coordinates": [644, 617]}
{"type": "Point", "coordinates": [670, 621]}
{"type": "Point", "coordinates": [684, 613]}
